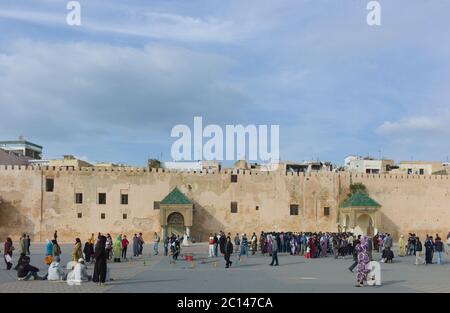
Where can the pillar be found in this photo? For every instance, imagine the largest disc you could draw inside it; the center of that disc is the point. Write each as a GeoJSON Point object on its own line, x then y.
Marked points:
{"type": "Point", "coordinates": [164, 232]}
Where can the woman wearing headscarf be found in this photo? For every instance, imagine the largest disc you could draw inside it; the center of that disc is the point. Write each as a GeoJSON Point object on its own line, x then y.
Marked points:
{"type": "Point", "coordinates": [48, 248]}
{"type": "Point", "coordinates": [363, 259]}
{"type": "Point", "coordinates": [100, 261]}
{"type": "Point", "coordinates": [87, 250]}
{"type": "Point", "coordinates": [7, 253]}
{"type": "Point", "coordinates": [77, 252]}
{"type": "Point", "coordinates": [402, 246]}
{"type": "Point", "coordinates": [117, 248]}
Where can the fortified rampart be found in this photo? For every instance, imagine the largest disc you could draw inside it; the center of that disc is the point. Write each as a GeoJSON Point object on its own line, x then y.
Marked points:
{"type": "Point", "coordinates": [265, 201]}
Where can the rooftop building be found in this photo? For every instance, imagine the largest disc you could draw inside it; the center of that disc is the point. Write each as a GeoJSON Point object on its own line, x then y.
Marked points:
{"type": "Point", "coordinates": [22, 147]}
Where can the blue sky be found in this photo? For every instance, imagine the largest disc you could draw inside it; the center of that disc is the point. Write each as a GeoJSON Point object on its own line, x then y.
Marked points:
{"type": "Point", "coordinates": [113, 88]}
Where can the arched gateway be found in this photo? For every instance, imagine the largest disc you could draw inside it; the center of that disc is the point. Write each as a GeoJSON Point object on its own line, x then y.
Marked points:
{"type": "Point", "coordinates": [176, 214]}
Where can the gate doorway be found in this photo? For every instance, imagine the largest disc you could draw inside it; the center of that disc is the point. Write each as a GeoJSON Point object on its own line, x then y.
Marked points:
{"type": "Point", "coordinates": [175, 224]}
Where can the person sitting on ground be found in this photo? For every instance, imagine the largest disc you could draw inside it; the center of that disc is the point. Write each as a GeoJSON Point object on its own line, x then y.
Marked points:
{"type": "Point", "coordinates": [55, 270]}
{"type": "Point", "coordinates": [79, 274]}
{"type": "Point", "coordinates": [25, 270]}
{"type": "Point", "coordinates": [388, 255]}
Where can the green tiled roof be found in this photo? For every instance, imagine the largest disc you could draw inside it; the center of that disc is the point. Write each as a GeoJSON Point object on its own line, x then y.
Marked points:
{"type": "Point", "coordinates": [360, 199]}
{"type": "Point", "coordinates": [176, 197]}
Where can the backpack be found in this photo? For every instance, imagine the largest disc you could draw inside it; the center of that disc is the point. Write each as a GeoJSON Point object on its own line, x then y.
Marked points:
{"type": "Point", "coordinates": [419, 246]}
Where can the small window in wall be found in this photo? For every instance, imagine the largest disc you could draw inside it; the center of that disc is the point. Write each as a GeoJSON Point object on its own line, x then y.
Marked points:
{"type": "Point", "coordinates": [234, 178]}
{"type": "Point", "coordinates": [49, 184]}
{"type": "Point", "coordinates": [156, 205]}
{"type": "Point", "coordinates": [79, 215]}
{"type": "Point", "coordinates": [234, 207]}
{"type": "Point", "coordinates": [124, 199]}
{"type": "Point", "coordinates": [102, 216]}
{"type": "Point", "coordinates": [78, 198]}
{"type": "Point", "coordinates": [421, 171]}
{"type": "Point", "coordinates": [124, 216]}
{"type": "Point", "coordinates": [326, 211]}
{"type": "Point", "coordinates": [294, 209]}
{"type": "Point", "coordinates": [102, 198]}
{"type": "Point", "coordinates": [257, 208]}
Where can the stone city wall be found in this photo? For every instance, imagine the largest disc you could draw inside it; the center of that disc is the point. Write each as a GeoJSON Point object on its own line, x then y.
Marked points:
{"type": "Point", "coordinates": [410, 203]}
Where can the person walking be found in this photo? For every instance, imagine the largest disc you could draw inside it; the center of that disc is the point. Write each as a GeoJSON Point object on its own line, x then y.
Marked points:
{"type": "Point", "coordinates": [363, 260]}
{"type": "Point", "coordinates": [274, 252]}
{"type": "Point", "coordinates": [55, 235]}
{"type": "Point", "coordinates": [228, 251]}
{"type": "Point", "coordinates": [355, 254]}
{"type": "Point", "coordinates": [77, 252]}
{"type": "Point", "coordinates": [125, 244]}
{"type": "Point", "coordinates": [100, 267]}
{"type": "Point", "coordinates": [211, 245]}
{"type": "Point", "coordinates": [418, 249]}
{"type": "Point", "coordinates": [156, 240]}
{"type": "Point", "coordinates": [8, 249]}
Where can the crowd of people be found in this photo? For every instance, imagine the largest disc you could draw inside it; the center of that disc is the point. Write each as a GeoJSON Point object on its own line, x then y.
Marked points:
{"type": "Point", "coordinates": [311, 245]}
{"type": "Point", "coordinates": [96, 251]}
{"type": "Point", "coordinates": [323, 244]}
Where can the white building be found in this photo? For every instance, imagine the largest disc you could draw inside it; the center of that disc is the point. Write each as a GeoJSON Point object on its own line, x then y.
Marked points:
{"type": "Point", "coordinates": [357, 164]}
{"type": "Point", "coordinates": [196, 166]}
{"type": "Point", "coordinates": [421, 167]}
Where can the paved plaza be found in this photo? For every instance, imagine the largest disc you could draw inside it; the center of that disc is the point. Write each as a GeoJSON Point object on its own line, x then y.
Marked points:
{"type": "Point", "coordinates": [253, 274]}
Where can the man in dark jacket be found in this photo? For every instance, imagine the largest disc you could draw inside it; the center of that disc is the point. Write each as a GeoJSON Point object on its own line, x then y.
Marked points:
{"type": "Point", "coordinates": [25, 270]}
{"type": "Point", "coordinates": [228, 251]}
{"type": "Point", "coordinates": [429, 250]}
{"type": "Point", "coordinates": [222, 242]}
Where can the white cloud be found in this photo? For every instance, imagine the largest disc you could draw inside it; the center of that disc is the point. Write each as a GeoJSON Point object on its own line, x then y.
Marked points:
{"type": "Point", "coordinates": [144, 24]}
{"type": "Point", "coordinates": [414, 125]}
{"type": "Point", "coordinates": [88, 92]}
